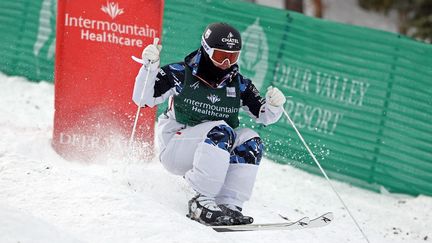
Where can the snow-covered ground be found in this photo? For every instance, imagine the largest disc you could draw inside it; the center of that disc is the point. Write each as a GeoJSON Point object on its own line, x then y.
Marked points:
{"type": "Point", "coordinates": [44, 198]}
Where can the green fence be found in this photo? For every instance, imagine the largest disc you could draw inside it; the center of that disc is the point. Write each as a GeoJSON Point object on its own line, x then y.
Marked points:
{"type": "Point", "coordinates": [27, 40]}
{"type": "Point", "coordinates": [361, 97]}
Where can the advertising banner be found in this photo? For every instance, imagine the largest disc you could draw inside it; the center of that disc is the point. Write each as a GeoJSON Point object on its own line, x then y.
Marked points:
{"type": "Point", "coordinates": [94, 75]}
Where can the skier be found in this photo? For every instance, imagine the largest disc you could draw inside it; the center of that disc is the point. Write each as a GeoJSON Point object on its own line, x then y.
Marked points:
{"type": "Point", "coordinates": [198, 134]}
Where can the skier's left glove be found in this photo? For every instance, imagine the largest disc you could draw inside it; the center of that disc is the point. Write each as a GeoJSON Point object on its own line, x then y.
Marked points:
{"type": "Point", "coordinates": [275, 97]}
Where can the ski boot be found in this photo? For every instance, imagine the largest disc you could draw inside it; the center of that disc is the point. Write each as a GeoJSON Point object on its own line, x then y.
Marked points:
{"type": "Point", "coordinates": [235, 212]}
{"type": "Point", "coordinates": [204, 210]}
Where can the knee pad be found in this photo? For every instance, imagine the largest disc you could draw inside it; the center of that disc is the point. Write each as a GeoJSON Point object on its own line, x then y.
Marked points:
{"type": "Point", "coordinates": [249, 152]}
{"type": "Point", "coordinates": [222, 136]}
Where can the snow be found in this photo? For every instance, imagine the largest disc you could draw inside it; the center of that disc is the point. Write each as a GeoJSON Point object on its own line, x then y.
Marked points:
{"type": "Point", "coordinates": [45, 198]}
{"type": "Point", "coordinates": [24, 227]}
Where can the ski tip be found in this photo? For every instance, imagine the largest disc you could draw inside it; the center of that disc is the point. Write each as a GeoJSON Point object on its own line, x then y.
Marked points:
{"type": "Point", "coordinates": [303, 222]}
{"type": "Point", "coordinates": [328, 215]}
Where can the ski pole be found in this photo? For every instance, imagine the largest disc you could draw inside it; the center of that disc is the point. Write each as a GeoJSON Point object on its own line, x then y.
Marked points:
{"type": "Point", "coordinates": [155, 41]}
{"type": "Point", "coordinates": [324, 173]}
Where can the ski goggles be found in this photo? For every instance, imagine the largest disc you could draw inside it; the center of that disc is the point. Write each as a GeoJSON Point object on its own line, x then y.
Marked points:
{"type": "Point", "coordinates": [219, 55]}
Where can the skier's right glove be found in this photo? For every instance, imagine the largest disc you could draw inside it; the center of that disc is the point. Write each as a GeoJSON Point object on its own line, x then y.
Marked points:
{"type": "Point", "coordinates": [150, 55]}
{"type": "Point", "coordinates": [275, 97]}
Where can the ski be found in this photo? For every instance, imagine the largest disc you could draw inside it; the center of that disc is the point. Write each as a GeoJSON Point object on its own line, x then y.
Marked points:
{"type": "Point", "coordinates": [321, 221]}
{"type": "Point", "coordinates": [302, 223]}
{"type": "Point", "coordinates": [299, 224]}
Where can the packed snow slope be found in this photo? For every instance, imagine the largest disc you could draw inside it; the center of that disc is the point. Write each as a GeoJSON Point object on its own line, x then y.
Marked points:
{"type": "Point", "coordinates": [44, 198]}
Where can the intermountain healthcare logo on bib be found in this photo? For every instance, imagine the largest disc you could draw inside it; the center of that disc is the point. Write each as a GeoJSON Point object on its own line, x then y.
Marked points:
{"type": "Point", "coordinates": [254, 58]}
{"type": "Point", "coordinates": [213, 98]}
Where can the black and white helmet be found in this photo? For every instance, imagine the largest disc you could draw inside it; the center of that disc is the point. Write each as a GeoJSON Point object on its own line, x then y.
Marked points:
{"type": "Point", "coordinates": [222, 36]}
{"type": "Point", "coordinates": [222, 43]}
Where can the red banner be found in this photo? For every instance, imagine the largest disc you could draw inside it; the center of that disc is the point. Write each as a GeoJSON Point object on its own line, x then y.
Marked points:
{"type": "Point", "coordinates": [94, 75]}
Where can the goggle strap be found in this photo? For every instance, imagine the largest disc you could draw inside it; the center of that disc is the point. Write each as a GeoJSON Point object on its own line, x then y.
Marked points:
{"type": "Point", "coordinates": [207, 48]}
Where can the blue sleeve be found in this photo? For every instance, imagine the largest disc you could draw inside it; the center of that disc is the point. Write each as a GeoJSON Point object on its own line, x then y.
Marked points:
{"type": "Point", "coordinates": [169, 76]}
{"type": "Point", "coordinates": [250, 96]}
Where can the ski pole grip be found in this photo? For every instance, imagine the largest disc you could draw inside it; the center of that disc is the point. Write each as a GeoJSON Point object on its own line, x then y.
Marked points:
{"type": "Point", "coordinates": [155, 41]}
